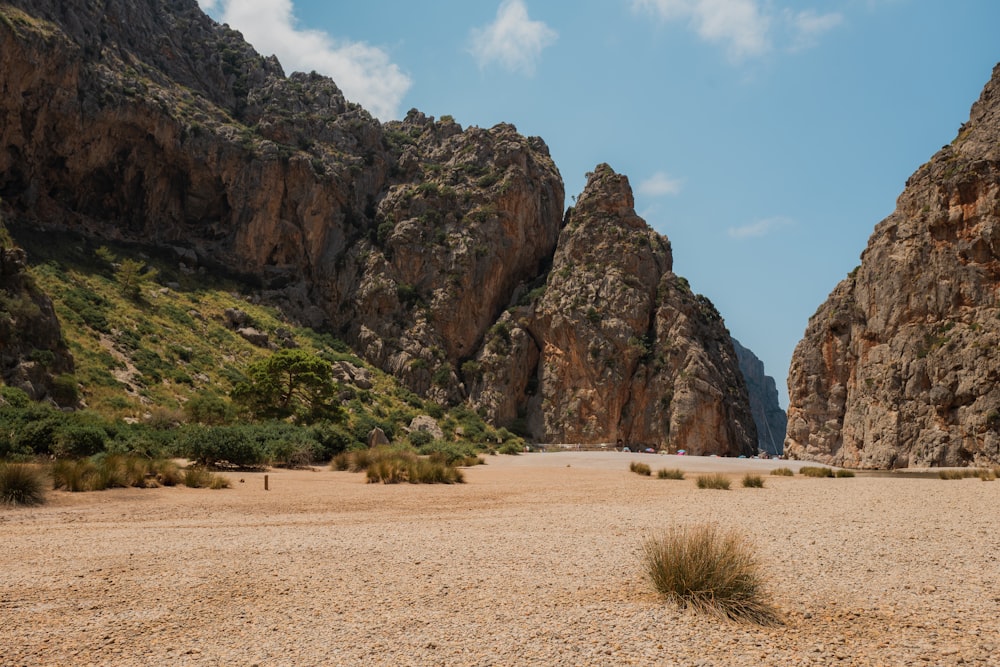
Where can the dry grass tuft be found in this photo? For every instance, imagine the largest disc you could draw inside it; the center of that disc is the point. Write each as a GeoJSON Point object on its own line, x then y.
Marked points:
{"type": "Point", "coordinates": [753, 481]}
{"type": "Point", "coordinates": [670, 473]}
{"type": "Point", "coordinates": [640, 468]}
{"type": "Point", "coordinates": [21, 484]}
{"type": "Point", "coordinates": [710, 570]}
{"type": "Point", "coordinates": [715, 481]}
{"type": "Point", "coordinates": [783, 472]}
{"type": "Point", "coordinates": [816, 471]}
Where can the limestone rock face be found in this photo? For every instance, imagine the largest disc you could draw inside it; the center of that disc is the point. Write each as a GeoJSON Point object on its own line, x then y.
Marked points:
{"type": "Point", "coordinates": [898, 367]}
{"type": "Point", "coordinates": [622, 348]}
{"type": "Point", "coordinates": [768, 416]}
{"type": "Point", "coordinates": [440, 254]}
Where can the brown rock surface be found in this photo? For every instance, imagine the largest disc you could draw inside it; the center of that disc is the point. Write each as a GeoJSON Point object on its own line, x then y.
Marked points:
{"type": "Point", "coordinates": [624, 349]}
{"type": "Point", "coordinates": [421, 243]}
{"type": "Point", "coordinates": [898, 367]}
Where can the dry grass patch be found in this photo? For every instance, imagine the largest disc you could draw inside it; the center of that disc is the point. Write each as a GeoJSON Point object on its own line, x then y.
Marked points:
{"type": "Point", "coordinates": [709, 570]}
{"type": "Point", "coordinates": [670, 473]}
{"type": "Point", "coordinates": [783, 472]}
{"type": "Point", "coordinates": [753, 481]}
{"type": "Point", "coordinates": [395, 466]}
{"type": "Point", "coordinates": [21, 484]}
{"type": "Point", "coordinates": [816, 471]}
{"type": "Point", "coordinates": [714, 481]}
{"type": "Point", "coordinates": [640, 468]}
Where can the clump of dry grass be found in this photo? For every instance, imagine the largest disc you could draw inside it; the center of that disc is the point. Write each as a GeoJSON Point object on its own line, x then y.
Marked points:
{"type": "Point", "coordinates": [844, 473]}
{"type": "Point", "coordinates": [198, 477]}
{"type": "Point", "coordinates": [21, 484]}
{"type": "Point", "coordinates": [640, 468]}
{"type": "Point", "coordinates": [710, 570]}
{"type": "Point", "coordinates": [783, 472]}
{"type": "Point", "coordinates": [670, 473]}
{"type": "Point", "coordinates": [714, 481]}
{"type": "Point", "coordinates": [753, 481]}
{"type": "Point", "coordinates": [816, 471]}
{"type": "Point", "coordinates": [985, 474]}
{"type": "Point", "coordinates": [395, 466]}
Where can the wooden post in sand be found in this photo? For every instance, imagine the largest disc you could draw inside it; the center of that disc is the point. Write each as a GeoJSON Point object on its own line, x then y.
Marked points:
{"type": "Point", "coordinates": [265, 482]}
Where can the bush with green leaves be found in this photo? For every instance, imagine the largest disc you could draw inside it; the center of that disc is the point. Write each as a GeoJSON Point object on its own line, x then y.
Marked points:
{"type": "Point", "coordinates": [21, 484]}
{"type": "Point", "coordinates": [214, 445]}
{"type": "Point", "coordinates": [710, 570]}
{"type": "Point", "coordinates": [290, 382]}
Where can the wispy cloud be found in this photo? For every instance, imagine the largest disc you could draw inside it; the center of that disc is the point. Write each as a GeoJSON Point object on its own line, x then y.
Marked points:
{"type": "Point", "coordinates": [808, 25]}
{"type": "Point", "coordinates": [513, 40]}
{"type": "Point", "coordinates": [365, 73]}
{"type": "Point", "coordinates": [745, 28]}
{"type": "Point", "coordinates": [760, 228]}
{"type": "Point", "coordinates": [739, 25]}
{"type": "Point", "coordinates": [660, 184]}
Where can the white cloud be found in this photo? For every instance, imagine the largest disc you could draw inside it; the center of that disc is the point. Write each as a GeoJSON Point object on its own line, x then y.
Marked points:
{"type": "Point", "coordinates": [808, 25]}
{"type": "Point", "coordinates": [512, 40]}
{"type": "Point", "coordinates": [364, 72]}
{"type": "Point", "coordinates": [740, 25]}
{"type": "Point", "coordinates": [760, 228]}
{"type": "Point", "coordinates": [660, 184]}
{"type": "Point", "coordinates": [744, 27]}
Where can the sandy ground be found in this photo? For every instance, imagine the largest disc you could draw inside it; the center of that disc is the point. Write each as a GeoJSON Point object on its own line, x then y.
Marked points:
{"type": "Point", "coordinates": [534, 561]}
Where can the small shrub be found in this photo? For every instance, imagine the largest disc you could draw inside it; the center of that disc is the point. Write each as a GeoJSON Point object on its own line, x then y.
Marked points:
{"type": "Point", "coordinates": [74, 475]}
{"type": "Point", "coordinates": [783, 472]}
{"type": "Point", "coordinates": [815, 471]}
{"type": "Point", "coordinates": [753, 481]}
{"type": "Point", "coordinates": [640, 468]}
{"type": "Point", "coordinates": [716, 481]}
{"type": "Point", "coordinates": [844, 473]}
{"type": "Point", "coordinates": [672, 473]}
{"type": "Point", "coordinates": [198, 477]}
{"type": "Point", "coordinates": [21, 484]}
{"type": "Point", "coordinates": [511, 448]}
{"type": "Point", "coordinates": [710, 570]}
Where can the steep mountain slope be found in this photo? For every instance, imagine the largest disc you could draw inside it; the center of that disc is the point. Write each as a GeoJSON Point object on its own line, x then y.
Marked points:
{"type": "Point", "coordinates": [146, 122]}
{"type": "Point", "coordinates": [899, 368]}
{"type": "Point", "coordinates": [768, 416]}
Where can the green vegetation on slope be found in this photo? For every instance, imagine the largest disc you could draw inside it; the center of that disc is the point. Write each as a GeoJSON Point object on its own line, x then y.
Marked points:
{"type": "Point", "coordinates": [160, 370]}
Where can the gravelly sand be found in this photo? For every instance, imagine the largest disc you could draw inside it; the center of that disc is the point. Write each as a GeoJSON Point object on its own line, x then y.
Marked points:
{"type": "Point", "coordinates": [536, 560]}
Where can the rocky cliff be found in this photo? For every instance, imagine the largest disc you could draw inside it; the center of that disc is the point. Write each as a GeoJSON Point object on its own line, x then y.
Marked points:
{"type": "Point", "coordinates": [621, 347]}
{"type": "Point", "coordinates": [899, 368]}
{"type": "Point", "coordinates": [768, 416]}
{"type": "Point", "coordinates": [415, 241]}
{"type": "Point", "coordinates": [32, 352]}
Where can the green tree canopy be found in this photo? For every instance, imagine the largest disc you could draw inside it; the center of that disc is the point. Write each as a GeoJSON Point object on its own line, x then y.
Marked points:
{"type": "Point", "coordinates": [289, 383]}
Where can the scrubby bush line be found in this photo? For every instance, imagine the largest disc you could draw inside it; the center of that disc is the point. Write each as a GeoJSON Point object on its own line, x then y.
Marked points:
{"type": "Point", "coordinates": [709, 570]}
{"type": "Point", "coordinates": [395, 466]}
{"type": "Point", "coordinates": [985, 474]}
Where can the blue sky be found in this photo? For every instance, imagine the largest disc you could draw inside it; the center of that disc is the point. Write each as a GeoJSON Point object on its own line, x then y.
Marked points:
{"type": "Point", "coordinates": [765, 138]}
